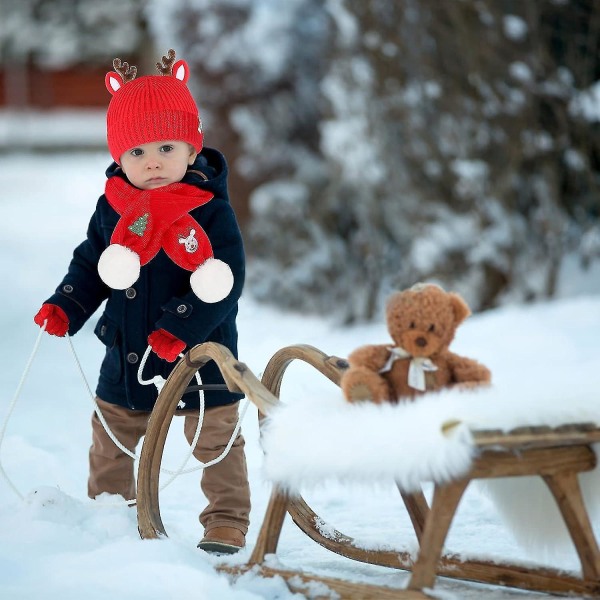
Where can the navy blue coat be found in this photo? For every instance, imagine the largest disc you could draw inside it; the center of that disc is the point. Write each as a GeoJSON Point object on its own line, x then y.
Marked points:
{"type": "Point", "coordinates": [160, 298]}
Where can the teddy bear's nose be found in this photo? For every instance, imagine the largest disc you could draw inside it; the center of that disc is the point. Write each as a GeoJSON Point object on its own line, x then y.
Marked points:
{"type": "Point", "coordinates": [421, 342]}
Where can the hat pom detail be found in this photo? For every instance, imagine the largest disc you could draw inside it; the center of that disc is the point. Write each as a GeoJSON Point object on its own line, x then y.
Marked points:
{"type": "Point", "coordinates": [119, 267]}
{"type": "Point", "coordinates": [212, 280]}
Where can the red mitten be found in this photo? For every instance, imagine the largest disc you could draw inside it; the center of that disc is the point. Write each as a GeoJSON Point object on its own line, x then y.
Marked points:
{"type": "Point", "coordinates": [165, 344]}
{"type": "Point", "coordinates": [57, 320]}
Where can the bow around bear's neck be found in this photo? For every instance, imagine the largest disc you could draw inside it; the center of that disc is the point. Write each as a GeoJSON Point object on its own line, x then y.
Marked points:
{"type": "Point", "coordinates": [419, 366]}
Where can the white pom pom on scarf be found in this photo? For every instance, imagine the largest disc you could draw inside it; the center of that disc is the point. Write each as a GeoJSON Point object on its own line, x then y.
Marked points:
{"type": "Point", "coordinates": [212, 280]}
{"type": "Point", "coordinates": [119, 267]}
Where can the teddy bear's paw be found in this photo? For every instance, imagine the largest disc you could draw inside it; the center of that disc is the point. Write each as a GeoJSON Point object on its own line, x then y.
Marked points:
{"type": "Point", "coordinates": [360, 392]}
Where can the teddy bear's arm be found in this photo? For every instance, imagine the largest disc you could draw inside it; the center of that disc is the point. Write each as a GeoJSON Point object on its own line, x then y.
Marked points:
{"type": "Point", "coordinates": [467, 370]}
{"type": "Point", "coordinates": [373, 357]}
{"type": "Point", "coordinates": [362, 380]}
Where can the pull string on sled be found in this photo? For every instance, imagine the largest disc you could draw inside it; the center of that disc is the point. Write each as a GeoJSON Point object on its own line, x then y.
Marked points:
{"type": "Point", "coordinates": [12, 405]}
{"type": "Point", "coordinates": [158, 381]}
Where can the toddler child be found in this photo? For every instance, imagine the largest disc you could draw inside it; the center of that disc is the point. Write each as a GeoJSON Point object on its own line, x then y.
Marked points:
{"type": "Point", "coordinates": [164, 249]}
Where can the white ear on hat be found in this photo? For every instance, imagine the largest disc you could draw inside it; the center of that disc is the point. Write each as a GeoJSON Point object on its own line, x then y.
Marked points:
{"type": "Point", "coordinates": [119, 267]}
{"type": "Point", "coordinates": [212, 280]}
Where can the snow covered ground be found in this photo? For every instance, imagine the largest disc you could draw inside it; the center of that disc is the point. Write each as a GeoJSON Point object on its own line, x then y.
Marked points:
{"type": "Point", "coordinates": [57, 544]}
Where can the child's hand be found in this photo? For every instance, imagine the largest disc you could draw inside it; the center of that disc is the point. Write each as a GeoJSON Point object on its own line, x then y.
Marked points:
{"type": "Point", "coordinates": [58, 322]}
{"type": "Point", "coordinates": [166, 345]}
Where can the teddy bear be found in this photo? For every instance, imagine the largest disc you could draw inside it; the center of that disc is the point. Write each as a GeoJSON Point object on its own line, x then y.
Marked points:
{"type": "Point", "coordinates": [422, 321]}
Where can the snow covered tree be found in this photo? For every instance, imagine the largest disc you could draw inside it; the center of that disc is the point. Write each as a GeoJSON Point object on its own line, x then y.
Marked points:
{"type": "Point", "coordinates": [384, 142]}
{"type": "Point", "coordinates": [256, 69]}
{"type": "Point", "coordinates": [59, 33]}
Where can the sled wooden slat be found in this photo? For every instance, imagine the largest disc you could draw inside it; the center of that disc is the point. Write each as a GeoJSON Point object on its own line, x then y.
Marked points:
{"type": "Point", "coordinates": [567, 493]}
{"type": "Point", "coordinates": [417, 508]}
{"type": "Point", "coordinates": [452, 566]}
{"type": "Point", "coordinates": [557, 455]}
{"type": "Point", "coordinates": [302, 583]}
{"type": "Point", "coordinates": [585, 433]}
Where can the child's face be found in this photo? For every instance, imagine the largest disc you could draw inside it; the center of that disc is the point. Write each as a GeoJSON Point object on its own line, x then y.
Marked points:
{"type": "Point", "coordinates": [154, 165]}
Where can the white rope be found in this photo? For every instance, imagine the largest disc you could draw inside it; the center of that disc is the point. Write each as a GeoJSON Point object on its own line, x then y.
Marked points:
{"type": "Point", "coordinates": [158, 381]}
{"type": "Point", "coordinates": [109, 432]}
{"type": "Point", "coordinates": [225, 452]}
{"type": "Point", "coordinates": [12, 405]}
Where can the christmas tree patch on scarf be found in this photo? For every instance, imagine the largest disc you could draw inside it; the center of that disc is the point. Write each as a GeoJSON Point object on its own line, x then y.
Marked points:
{"type": "Point", "coordinates": [155, 219]}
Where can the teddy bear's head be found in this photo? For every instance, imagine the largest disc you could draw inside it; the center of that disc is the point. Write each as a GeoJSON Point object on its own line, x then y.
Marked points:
{"type": "Point", "coordinates": [424, 318]}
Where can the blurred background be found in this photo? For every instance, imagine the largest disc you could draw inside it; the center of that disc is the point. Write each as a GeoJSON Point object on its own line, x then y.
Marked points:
{"type": "Point", "coordinates": [372, 143]}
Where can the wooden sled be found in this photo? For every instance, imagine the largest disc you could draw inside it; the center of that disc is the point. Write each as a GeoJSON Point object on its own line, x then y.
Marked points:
{"type": "Point", "coordinates": [556, 455]}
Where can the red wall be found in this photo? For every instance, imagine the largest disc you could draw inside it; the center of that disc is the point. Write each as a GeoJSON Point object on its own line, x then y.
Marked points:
{"type": "Point", "coordinates": [83, 87]}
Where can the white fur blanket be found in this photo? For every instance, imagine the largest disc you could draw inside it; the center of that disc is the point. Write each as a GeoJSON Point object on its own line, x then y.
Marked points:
{"type": "Point", "coordinates": [324, 438]}
{"type": "Point", "coordinates": [327, 438]}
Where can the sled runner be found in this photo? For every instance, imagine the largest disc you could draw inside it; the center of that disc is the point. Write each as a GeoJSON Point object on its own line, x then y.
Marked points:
{"type": "Point", "coordinates": [557, 455]}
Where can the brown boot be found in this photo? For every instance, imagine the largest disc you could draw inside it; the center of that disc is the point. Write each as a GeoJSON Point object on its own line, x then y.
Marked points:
{"type": "Point", "coordinates": [223, 540]}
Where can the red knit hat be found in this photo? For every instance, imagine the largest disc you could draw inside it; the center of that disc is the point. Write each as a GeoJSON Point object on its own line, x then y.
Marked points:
{"type": "Point", "coordinates": [151, 108]}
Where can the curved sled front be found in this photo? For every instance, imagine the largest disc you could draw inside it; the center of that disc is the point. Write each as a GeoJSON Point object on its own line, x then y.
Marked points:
{"type": "Point", "coordinates": [238, 378]}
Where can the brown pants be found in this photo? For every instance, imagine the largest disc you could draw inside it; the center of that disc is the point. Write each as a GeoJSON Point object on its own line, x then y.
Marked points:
{"type": "Point", "coordinates": [225, 484]}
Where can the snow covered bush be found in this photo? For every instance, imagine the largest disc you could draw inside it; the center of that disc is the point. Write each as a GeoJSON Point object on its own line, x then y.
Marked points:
{"type": "Point", "coordinates": [380, 143]}
{"type": "Point", "coordinates": [62, 33]}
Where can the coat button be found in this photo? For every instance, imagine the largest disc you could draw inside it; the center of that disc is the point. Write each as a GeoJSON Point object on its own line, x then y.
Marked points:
{"type": "Point", "coordinates": [67, 289]}
{"type": "Point", "coordinates": [103, 331]}
{"type": "Point", "coordinates": [130, 293]}
{"type": "Point", "coordinates": [181, 309]}
{"type": "Point", "coordinates": [132, 358]}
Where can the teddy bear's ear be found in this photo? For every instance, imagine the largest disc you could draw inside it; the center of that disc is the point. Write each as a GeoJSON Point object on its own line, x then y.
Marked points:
{"type": "Point", "coordinates": [460, 307]}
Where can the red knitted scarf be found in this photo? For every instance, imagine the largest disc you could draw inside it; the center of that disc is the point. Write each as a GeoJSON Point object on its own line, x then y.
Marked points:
{"type": "Point", "coordinates": [155, 219]}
